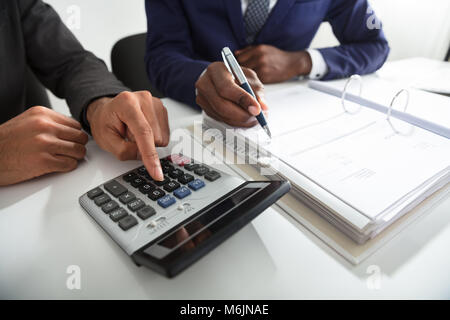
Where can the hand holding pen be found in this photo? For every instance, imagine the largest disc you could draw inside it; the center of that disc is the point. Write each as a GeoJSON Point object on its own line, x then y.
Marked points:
{"type": "Point", "coordinates": [223, 99]}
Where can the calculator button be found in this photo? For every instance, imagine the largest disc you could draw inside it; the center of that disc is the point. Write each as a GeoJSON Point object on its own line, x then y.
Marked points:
{"type": "Point", "coordinates": [146, 212]}
{"type": "Point", "coordinates": [182, 192]}
{"type": "Point", "coordinates": [175, 173]}
{"type": "Point", "coordinates": [101, 200]}
{"type": "Point", "coordinates": [142, 171]}
{"type": "Point", "coordinates": [166, 201]}
{"type": "Point", "coordinates": [135, 204]}
{"type": "Point", "coordinates": [146, 188]}
{"type": "Point", "coordinates": [127, 223]}
{"type": "Point", "coordinates": [161, 183]}
{"type": "Point", "coordinates": [94, 193]}
{"type": "Point", "coordinates": [127, 197]}
{"type": "Point", "coordinates": [201, 170]}
{"type": "Point", "coordinates": [129, 176]}
{"type": "Point", "coordinates": [148, 176]}
{"type": "Point", "coordinates": [118, 214]}
{"type": "Point", "coordinates": [164, 160]}
{"type": "Point", "coordinates": [179, 159]}
{"type": "Point", "coordinates": [171, 186]}
{"type": "Point", "coordinates": [110, 206]}
{"type": "Point", "coordinates": [115, 188]}
{"type": "Point", "coordinates": [191, 166]}
{"type": "Point", "coordinates": [166, 168]}
{"type": "Point", "coordinates": [196, 184]}
{"type": "Point", "coordinates": [137, 182]}
{"type": "Point", "coordinates": [212, 176]}
{"type": "Point", "coordinates": [156, 194]}
{"type": "Point", "coordinates": [186, 178]}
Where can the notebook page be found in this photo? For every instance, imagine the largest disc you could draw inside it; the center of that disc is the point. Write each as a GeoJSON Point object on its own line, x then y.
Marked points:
{"type": "Point", "coordinates": [374, 168]}
{"type": "Point", "coordinates": [299, 181]}
{"type": "Point", "coordinates": [302, 119]}
{"type": "Point", "coordinates": [350, 155]}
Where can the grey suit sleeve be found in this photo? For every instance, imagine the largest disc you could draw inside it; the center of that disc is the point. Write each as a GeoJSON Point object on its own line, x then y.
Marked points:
{"type": "Point", "coordinates": [60, 61]}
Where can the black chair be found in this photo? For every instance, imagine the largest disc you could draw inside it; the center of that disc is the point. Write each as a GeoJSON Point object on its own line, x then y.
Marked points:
{"type": "Point", "coordinates": [128, 65]}
{"type": "Point", "coordinates": [447, 57]}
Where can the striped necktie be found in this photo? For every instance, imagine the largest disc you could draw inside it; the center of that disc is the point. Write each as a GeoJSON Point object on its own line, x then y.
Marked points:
{"type": "Point", "coordinates": [255, 17]}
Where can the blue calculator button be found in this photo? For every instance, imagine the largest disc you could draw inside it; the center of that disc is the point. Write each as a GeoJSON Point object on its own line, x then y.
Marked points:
{"type": "Point", "coordinates": [196, 184]}
{"type": "Point", "coordinates": [182, 192]}
{"type": "Point", "coordinates": [166, 201]}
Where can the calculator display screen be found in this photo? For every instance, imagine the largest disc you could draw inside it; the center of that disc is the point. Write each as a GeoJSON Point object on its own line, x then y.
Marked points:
{"type": "Point", "coordinates": [202, 227]}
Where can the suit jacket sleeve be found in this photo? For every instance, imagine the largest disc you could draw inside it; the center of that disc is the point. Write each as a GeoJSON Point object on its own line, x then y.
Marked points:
{"type": "Point", "coordinates": [59, 60]}
{"type": "Point", "coordinates": [363, 48]}
{"type": "Point", "coordinates": [171, 62]}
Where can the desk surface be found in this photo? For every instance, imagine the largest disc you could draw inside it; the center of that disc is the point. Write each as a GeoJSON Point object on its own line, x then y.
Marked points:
{"type": "Point", "coordinates": [43, 231]}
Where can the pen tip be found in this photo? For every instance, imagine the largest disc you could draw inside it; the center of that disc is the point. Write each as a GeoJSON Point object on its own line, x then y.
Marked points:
{"type": "Point", "coordinates": [266, 129]}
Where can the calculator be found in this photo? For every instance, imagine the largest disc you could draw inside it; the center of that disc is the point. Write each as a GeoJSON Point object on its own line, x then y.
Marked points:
{"type": "Point", "coordinates": [168, 225]}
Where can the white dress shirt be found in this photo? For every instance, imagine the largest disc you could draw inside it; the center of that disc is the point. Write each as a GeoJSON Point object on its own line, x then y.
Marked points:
{"type": "Point", "coordinates": [319, 66]}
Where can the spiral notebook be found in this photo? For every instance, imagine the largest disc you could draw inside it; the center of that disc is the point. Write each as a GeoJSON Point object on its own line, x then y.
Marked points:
{"type": "Point", "coordinates": [358, 167]}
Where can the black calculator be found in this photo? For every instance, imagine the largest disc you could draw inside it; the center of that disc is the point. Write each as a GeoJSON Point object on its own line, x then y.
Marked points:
{"type": "Point", "coordinates": [168, 225]}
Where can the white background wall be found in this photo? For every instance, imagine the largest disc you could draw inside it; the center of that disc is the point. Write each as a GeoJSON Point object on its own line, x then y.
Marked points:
{"type": "Point", "coordinates": [413, 27]}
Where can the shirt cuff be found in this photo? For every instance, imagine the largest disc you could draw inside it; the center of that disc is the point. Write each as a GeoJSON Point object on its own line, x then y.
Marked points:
{"type": "Point", "coordinates": [83, 116]}
{"type": "Point", "coordinates": [201, 75]}
{"type": "Point", "coordinates": [319, 66]}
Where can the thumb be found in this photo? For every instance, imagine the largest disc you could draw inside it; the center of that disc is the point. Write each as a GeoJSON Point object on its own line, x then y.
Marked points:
{"type": "Point", "coordinates": [262, 101]}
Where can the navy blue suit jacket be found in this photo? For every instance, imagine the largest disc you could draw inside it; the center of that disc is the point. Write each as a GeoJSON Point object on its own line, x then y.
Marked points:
{"type": "Point", "coordinates": [184, 36]}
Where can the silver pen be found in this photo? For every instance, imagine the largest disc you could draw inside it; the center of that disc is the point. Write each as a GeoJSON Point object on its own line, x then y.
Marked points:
{"type": "Point", "coordinates": [235, 69]}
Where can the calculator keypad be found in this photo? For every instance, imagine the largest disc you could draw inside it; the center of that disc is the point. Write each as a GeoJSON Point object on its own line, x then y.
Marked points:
{"type": "Point", "coordinates": [125, 206]}
{"type": "Point", "coordinates": [110, 206]}
{"type": "Point", "coordinates": [166, 201]}
{"type": "Point", "coordinates": [118, 214]}
{"type": "Point", "coordinates": [196, 184]}
{"type": "Point", "coordinates": [146, 212]}
{"type": "Point", "coordinates": [171, 186]}
{"type": "Point", "coordinates": [127, 197]}
{"type": "Point", "coordinates": [101, 200]}
{"type": "Point", "coordinates": [127, 222]}
{"type": "Point", "coordinates": [115, 188]}
{"type": "Point", "coordinates": [182, 192]}
{"type": "Point", "coordinates": [156, 194]}
{"type": "Point", "coordinates": [94, 193]}
{"type": "Point", "coordinates": [135, 205]}
{"type": "Point", "coordinates": [186, 178]}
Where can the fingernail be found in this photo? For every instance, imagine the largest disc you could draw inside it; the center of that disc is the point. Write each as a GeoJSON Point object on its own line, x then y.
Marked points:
{"type": "Point", "coordinates": [253, 110]}
{"type": "Point", "coordinates": [157, 173]}
{"type": "Point", "coordinates": [263, 99]}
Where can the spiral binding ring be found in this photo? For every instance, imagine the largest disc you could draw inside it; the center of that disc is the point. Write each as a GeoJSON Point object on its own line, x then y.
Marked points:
{"type": "Point", "coordinates": [344, 93]}
{"type": "Point", "coordinates": [389, 112]}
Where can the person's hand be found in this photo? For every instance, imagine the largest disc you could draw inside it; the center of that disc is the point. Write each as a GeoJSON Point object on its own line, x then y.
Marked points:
{"type": "Point", "coordinates": [222, 99]}
{"type": "Point", "coordinates": [274, 65]}
{"type": "Point", "coordinates": [131, 126]}
{"type": "Point", "coordinates": [37, 142]}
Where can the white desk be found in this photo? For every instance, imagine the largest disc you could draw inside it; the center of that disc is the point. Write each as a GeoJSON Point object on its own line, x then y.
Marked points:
{"type": "Point", "coordinates": [43, 230]}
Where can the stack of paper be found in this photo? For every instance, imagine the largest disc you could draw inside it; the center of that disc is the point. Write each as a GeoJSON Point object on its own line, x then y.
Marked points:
{"type": "Point", "coordinates": [352, 169]}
